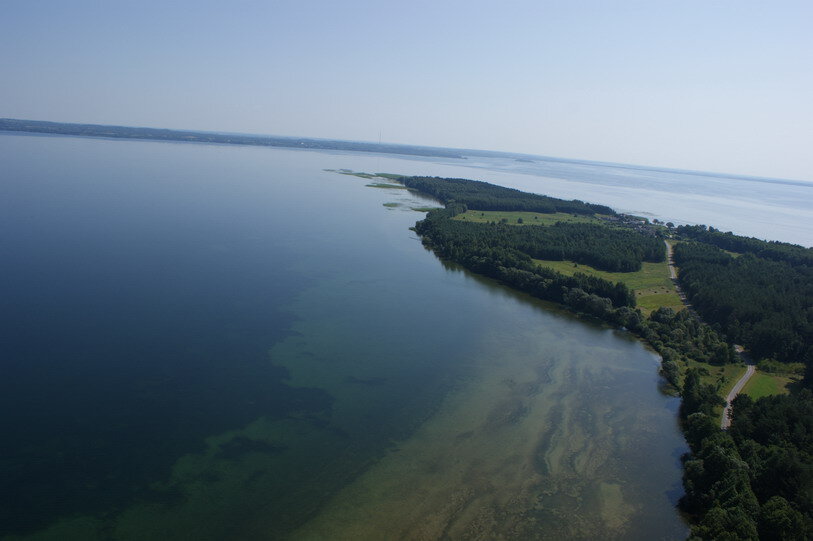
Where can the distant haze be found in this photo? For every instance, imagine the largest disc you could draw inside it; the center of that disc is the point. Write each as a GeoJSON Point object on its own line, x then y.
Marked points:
{"type": "Point", "coordinates": [722, 86]}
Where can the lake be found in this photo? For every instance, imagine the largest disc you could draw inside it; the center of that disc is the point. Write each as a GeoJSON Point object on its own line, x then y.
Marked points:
{"type": "Point", "coordinates": [769, 209]}
{"type": "Point", "coordinates": [221, 342]}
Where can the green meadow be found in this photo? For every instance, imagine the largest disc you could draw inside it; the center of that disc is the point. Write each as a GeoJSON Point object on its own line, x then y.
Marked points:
{"type": "Point", "coordinates": [652, 285]}
{"type": "Point", "coordinates": [528, 218]}
{"type": "Point", "coordinates": [762, 384]}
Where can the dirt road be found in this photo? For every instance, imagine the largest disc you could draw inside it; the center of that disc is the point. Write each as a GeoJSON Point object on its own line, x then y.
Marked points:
{"type": "Point", "coordinates": [725, 422]}
{"type": "Point", "coordinates": [670, 260]}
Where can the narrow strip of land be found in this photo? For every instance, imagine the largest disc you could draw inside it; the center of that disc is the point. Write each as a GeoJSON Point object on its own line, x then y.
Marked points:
{"type": "Point", "coordinates": [670, 260]}
{"type": "Point", "coordinates": [725, 421]}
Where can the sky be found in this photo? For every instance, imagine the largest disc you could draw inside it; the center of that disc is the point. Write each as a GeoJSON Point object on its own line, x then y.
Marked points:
{"type": "Point", "coordinates": [722, 86]}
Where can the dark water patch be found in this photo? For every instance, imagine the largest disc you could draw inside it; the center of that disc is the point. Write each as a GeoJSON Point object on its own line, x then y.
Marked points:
{"type": "Point", "coordinates": [137, 317]}
{"type": "Point", "coordinates": [371, 382]}
{"type": "Point", "coordinates": [540, 459]}
{"type": "Point", "coordinates": [235, 448]}
{"type": "Point", "coordinates": [507, 412]}
{"type": "Point", "coordinates": [77, 457]}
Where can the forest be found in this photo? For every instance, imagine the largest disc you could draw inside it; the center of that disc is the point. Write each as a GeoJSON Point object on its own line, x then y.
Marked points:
{"type": "Point", "coordinates": [755, 480]}
{"type": "Point", "coordinates": [752, 481]}
{"type": "Point", "coordinates": [478, 195]}
{"type": "Point", "coordinates": [773, 250]}
{"type": "Point", "coordinates": [602, 247]}
{"type": "Point", "coordinates": [763, 303]}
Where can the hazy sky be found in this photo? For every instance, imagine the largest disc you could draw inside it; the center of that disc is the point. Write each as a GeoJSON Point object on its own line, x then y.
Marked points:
{"type": "Point", "coordinates": [718, 86]}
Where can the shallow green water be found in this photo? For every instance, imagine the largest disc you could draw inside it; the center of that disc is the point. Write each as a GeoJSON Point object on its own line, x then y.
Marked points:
{"type": "Point", "coordinates": [214, 342]}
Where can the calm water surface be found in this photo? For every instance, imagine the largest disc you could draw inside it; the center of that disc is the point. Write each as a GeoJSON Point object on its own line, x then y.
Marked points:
{"type": "Point", "coordinates": [213, 342]}
{"type": "Point", "coordinates": [771, 209]}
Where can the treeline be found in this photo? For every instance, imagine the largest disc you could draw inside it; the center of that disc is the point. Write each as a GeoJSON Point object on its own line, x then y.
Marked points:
{"type": "Point", "coordinates": [679, 337]}
{"type": "Point", "coordinates": [605, 248]}
{"type": "Point", "coordinates": [773, 250]}
{"type": "Point", "coordinates": [488, 249]}
{"type": "Point", "coordinates": [774, 435]}
{"type": "Point", "coordinates": [754, 481]}
{"type": "Point", "coordinates": [765, 305]}
{"type": "Point", "coordinates": [478, 195]}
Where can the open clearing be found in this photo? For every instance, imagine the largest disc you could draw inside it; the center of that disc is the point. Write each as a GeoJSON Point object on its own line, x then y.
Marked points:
{"type": "Point", "coordinates": [528, 218]}
{"type": "Point", "coordinates": [652, 285]}
{"type": "Point", "coordinates": [762, 384]}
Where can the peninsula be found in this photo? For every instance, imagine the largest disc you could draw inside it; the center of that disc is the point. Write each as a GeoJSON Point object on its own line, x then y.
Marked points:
{"type": "Point", "coordinates": [750, 481]}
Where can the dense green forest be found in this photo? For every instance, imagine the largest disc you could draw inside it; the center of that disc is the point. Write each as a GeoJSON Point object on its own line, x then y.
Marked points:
{"type": "Point", "coordinates": [602, 247]}
{"type": "Point", "coordinates": [478, 195]}
{"type": "Point", "coordinates": [492, 250]}
{"type": "Point", "coordinates": [773, 250]}
{"type": "Point", "coordinates": [764, 304]}
{"type": "Point", "coordinates": [753, 481]}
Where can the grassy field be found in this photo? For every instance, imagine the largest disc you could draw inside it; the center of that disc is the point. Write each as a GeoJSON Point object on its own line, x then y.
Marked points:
{"type": "Point", "coordinates": [729, 373]}
{"type": "Point", "coordinates": [362, 174]}
{"type": "Point", "coordinates": [726, 376]}
{"type": "Point", "coordinates": [350, 172]}
{"type": "Point", "coordinates": [390, 176]}
{"type": "Point", "coordinates": [723, 377]}
{"type": "Point", "coordinates": [386, 185]}
{"type": "Point", "coordinates": [652, 285]}
{"type": "Point", "coordinates": [762, 384]}
{"type": "Point", "coordinates": [528, 218]}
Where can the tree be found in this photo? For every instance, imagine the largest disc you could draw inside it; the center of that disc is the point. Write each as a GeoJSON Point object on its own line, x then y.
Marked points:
{"type": "Point", "coordinates": [778, 520]}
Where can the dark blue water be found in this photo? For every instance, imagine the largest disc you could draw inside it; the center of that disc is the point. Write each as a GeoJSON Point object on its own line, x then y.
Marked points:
{"type": "Point", "coordinates": [212, 342]}
{"type": "Point", "coordinates": [139, 300]}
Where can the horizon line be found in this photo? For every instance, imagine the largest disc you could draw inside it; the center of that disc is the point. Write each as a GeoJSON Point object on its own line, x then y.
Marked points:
{"type": "Point", "coordinates": [471, 151]}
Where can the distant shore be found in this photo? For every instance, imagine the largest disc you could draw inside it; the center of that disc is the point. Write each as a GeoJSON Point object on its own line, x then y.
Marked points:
{"type": "Point", "coordinates": [124, 132]}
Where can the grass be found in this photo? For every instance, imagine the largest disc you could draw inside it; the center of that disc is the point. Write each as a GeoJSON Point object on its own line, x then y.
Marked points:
{"type": "Point", "coordinates": [423, 209]}
{"type": "Point", "coordinates": [370, 176]}
{"type": "Point", "coordinates": [528, 218]}
{"type": "Point", "coordinates": [386, 185]}
{"type": "Point", "coordinates": [652, 285]}
{"type": "Point", "coordinates": [729, 373]}
{"type": "Point", "coordinates": [762, 384]}
{"type": "Point", "coordinates": [390, 176]}
{"type": "Point", "coordinates": [392, 205]}
{"type": "Point", "coordinates": [724, 377]}
{"type": "Point", "coordinates": [351, 173]}
{"type": "Point", "coordinates": [649, 302]}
